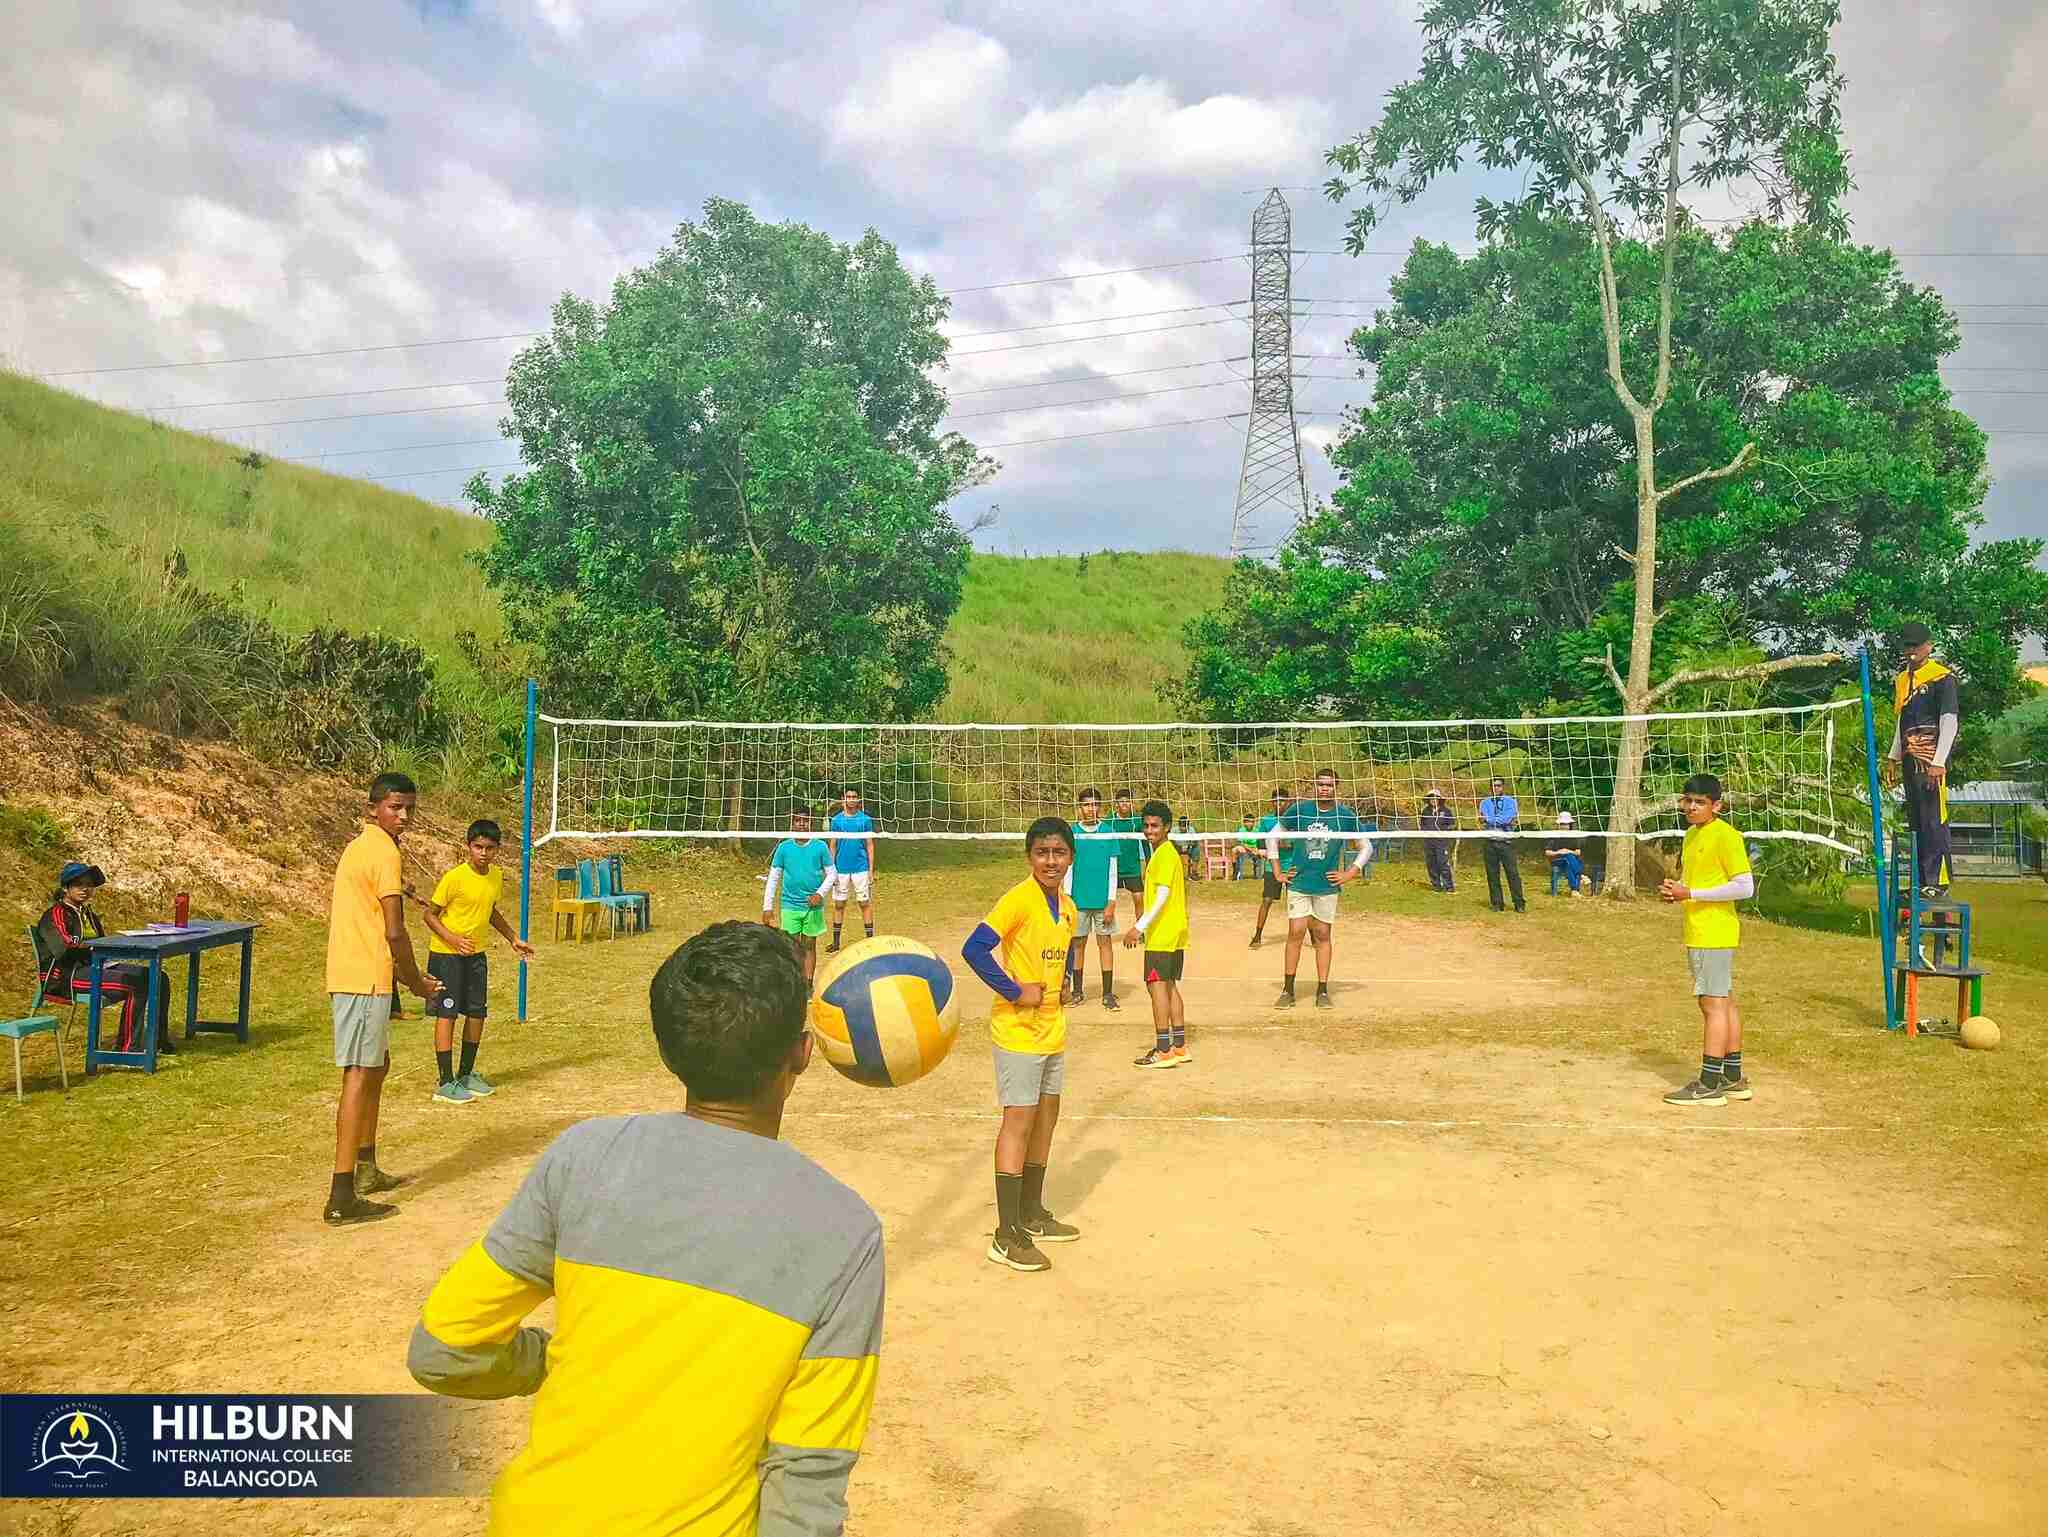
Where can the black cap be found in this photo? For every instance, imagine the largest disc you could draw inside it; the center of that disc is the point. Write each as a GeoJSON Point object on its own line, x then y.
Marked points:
{"type": "Point", "coordinates": [1914, 634]}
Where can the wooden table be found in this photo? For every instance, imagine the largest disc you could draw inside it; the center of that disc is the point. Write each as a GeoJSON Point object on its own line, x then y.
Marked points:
{"type": "Point", "coordinates": [154, 949]}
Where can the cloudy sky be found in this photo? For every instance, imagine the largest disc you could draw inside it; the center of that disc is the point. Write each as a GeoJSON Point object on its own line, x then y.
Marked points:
{"type": "Point", "coordinates": [199, 181]}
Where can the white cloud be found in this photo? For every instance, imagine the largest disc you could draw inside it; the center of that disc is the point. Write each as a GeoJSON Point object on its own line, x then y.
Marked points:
{"type": "Point", "coordinates": [1140, 128]}
{"type": "Point", "coordinates": [940, 91]}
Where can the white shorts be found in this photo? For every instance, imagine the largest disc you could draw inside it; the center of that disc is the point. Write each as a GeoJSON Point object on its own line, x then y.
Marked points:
{"type": "Point", "coordinates": [855, 881]}
{"type": "Point", "coordinates": [1322, 907]}
{"type": "Point", "coordinates": [1103, 922]}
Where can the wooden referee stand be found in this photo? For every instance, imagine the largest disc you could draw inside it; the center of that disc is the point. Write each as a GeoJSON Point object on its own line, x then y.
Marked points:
{"type": "Point", "coordinates": [1950, 926]}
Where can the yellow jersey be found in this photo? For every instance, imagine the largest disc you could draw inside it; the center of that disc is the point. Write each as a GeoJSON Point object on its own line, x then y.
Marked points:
{"type": "Point", "coordinates": [466, 900]}
{"type": "Point", "coordinates": [1165, 867]}
{"type": "Point", "coordinates": [358, 954]}
{"type": "Point", "coordinates": [1713, 856]}
{"type": "Point", "coordinates": [1035, 927]}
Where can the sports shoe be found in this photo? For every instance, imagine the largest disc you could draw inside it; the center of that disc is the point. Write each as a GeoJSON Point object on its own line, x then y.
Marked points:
{"type": "Point", "coordinates": [1109, 1002]}
{"type": "Point", "coordinates": [371, 1180]}
{"type": "Point", "coordinates": [1182, 1057]}
{"type": "Point", "coordinates": [1698, 1092]}
{"type": "Point", "coordinates": [1015, 1249]}
{"type": "Point", "coordinates": [349, 1213]}
{"type": "Point", "coordinates": [1737, 1088]}
{"type": "Point", "coordinates": [452, 1093]}
{"type": "Point", "coordinates": [1046, 1228]}
{"type": "Point", "coordinates": [1323, 1000]}
{"type": "Point", "coordinates": [477, 1084]}
{"type": "Point", "coordinates": [1284, 1001]}
{"type": "Point", "coordinates": [833, 948]}
{"type": "Point", "coordinates": [1155, 1056]}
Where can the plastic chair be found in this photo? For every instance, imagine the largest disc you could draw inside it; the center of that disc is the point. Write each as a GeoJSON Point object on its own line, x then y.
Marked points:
{"type": "Point", "coordinates": [1215, 859]}
{"type": "Point", "coordinates": [593, 884]}
{"type": "Point", "coordinates": [573, 909]}
{"type": "Point", "coordinates": [643, 899]}
{"type": "Point", "coordinates": [35, 1023]}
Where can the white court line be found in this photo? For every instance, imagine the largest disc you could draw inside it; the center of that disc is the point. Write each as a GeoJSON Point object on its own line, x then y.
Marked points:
{"type": "Point", "coordinates": [799, 1117]}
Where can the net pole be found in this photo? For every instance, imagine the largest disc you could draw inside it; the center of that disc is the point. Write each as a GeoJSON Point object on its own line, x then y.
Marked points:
{"type": "Point", "coordinates": [526, 843]}
{"type": "Point", "coordinates": [1884, 887]}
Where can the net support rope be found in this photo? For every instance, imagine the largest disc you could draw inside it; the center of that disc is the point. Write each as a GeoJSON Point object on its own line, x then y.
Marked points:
{"type": "Point", "coordinates": [727, 779]}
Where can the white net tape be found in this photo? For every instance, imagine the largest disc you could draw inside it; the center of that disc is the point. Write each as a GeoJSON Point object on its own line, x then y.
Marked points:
{"type": "Point", "coordinates": [712, 779]}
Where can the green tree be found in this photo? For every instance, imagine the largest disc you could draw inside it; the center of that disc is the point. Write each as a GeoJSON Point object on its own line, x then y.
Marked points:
{"type": "Point", "coordinates": [1613, 108]}
{"type": "Point", "coordinates": [1474, 559]}
{"type": "Point", "coordinates": [734, 504]}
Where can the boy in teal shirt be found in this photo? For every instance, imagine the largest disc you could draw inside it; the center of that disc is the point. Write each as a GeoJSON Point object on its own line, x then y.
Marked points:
{"type": "Point", "coordinates": [801, 869]}
{"type": "Point", "coordinates": [1092, 883]}
{"type": "Point", "coordinates": [1131, 853]}
{"type": "Point", "coordinates": [1326, 850]}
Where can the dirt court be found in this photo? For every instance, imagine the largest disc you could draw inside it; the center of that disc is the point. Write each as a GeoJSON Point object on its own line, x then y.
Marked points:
{"type": "Point", "coordinates": [1353, 1272]}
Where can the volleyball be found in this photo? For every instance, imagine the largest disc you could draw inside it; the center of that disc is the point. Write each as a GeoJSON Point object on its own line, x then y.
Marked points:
{"type": "Point", "coordinates": [885, 1011]}
{"type": "Point", "coordinates": [1979, 1033]}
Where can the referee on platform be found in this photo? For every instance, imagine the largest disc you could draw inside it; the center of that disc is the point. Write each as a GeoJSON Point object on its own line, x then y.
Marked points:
{"type": "Point", "coordinates": [1925, 695]}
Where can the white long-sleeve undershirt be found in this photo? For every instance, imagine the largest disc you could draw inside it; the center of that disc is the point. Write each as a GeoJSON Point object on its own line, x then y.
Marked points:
{"type": "Point", "coordinates": [1740, 889]}
{"type": "Point", "coordinates": [1160, 895]}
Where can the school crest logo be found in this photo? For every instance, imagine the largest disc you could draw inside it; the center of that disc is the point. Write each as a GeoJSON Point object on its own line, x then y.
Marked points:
{"type": "Point", "coordinates": [79, 1447]}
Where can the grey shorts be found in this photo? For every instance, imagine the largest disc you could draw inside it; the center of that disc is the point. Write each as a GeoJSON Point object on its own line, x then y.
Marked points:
{"type": "Point", "coordinates": [362, 1029]}
{"type": "Point", "coordinates": [1713, 973]}
{"type": "Point", "coordinates": [1025, 1077]}
{"type": "Point", "coordinates": [1103, 922]}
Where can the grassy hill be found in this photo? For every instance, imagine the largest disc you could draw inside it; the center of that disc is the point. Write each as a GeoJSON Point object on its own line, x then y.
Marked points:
{"type": "Point", "coordinates": [314, 549]}
{"type": "Point", "coordinates": [1043, 638]}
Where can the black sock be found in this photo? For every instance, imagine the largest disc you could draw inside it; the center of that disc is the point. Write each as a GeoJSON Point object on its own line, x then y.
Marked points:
{"type": "Point", "coordinates": [444, 1063]}
{"type": "Point", "coordinates": [1710, 1069]}
{"type": "Point", "coordinates": [1009, 1202]}
{"type": "Point", "coordinates": [870, 928]}
{"type": "Point", "coordinates": [1322, 989]}
{"type": "Point", "coordinates": [1033, 1203]}
{"type": "Point", "coordinates": [469, 1055]}
{"type": "Point", "coordinates": [835, 933]}
{"type": "Point", "coordinates": [1180, 1037]}
{"type": "Point", "coordinates": [343, 1190]}
{"type": "Point", "coordinates": [1108, 983]}
{"type": "Point", "coordinates": [1287, 983]}
{"type": "Point", "coordinates": [1731, 1065]}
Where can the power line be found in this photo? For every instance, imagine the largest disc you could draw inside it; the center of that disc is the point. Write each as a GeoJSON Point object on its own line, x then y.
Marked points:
{"type": "Point", "coordinates": [273, 400]}
{"type": "Point", "coordinates": [291, 357]}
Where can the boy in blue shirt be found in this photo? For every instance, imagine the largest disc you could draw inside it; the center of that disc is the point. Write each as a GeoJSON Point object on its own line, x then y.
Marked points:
{"type": "Point", "coordinates": [800, 870]}
{"type": "Point", "coordinates": [853, 858]}
{"type": "Point", "coordinates": [1317, 863]}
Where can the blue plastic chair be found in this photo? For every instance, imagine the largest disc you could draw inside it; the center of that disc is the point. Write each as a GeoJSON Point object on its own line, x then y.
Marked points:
{"type": "Point", "coordinates": [35, 1023]}
{"type": "Point", "coordinates": [645, 899]}
{"type": "Point", "coordinates": [593, 884]}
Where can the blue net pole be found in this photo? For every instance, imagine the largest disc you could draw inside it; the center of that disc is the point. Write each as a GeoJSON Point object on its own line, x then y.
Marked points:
{"type": "Point", "coordinates": [1886, 918]}
{"type": "Point", "coordinates": [526, 844]}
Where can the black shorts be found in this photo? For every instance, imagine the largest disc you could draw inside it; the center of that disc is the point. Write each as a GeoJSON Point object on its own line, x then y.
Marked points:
{"type": "Point", "coordinates": [1131, 883]}
{"type": "Point", "coordinates": [465, 986]}
{"type": "Point", "coordinates": [1165, 965]}
{"type": "Point", "coordinates": [1273, 891]}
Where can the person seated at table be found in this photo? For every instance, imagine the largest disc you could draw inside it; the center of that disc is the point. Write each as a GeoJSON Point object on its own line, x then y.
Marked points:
{"type": "Point", "coordinates": [61, 935]}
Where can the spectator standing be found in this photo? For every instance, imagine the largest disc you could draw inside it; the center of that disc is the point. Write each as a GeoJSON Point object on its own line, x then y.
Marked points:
{"type": "Point", "coordinates": [1498, 814]}
{"type": "Point", "coordinates": [1436, 852]}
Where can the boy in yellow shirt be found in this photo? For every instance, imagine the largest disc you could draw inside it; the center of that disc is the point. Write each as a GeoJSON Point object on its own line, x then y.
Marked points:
{"type": "Point", "coordinates": [1163, 931]}
{"type": "Point", "coordinates": [1020, 951]}
{"type": "Point", "coordinates": [461, 916]}
{"type": "Point", "coordinates": [1713, 875]}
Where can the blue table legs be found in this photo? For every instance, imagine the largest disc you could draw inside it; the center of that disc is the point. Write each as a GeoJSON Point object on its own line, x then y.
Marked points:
{"type": "Point", "coordinates": [92, 1017]}
{"type": "Point", "coordinates": [191, 994]}
{"type": "Point", "coordinates": [242, 1015]}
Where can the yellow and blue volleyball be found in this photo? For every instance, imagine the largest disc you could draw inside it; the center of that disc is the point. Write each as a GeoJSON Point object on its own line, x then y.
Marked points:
{"type": "Point", "coordinates": [885, 1011]}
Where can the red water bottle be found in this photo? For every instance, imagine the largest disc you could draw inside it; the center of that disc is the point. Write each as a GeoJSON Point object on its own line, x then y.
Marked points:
{"type": "Point", "coordinates": [181, 908]}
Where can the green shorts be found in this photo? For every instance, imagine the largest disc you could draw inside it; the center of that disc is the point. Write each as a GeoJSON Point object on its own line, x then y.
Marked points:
{"type": "Point", "coordinates": [803, 921]}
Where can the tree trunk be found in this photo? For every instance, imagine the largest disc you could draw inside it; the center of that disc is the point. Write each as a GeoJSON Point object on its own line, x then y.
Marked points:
{"type": "Point", "coordinates": [1626, 813]}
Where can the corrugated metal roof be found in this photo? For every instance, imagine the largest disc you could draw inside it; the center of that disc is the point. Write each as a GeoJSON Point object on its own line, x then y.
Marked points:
{"type": "Point", "coordinates": [1997, 792]}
